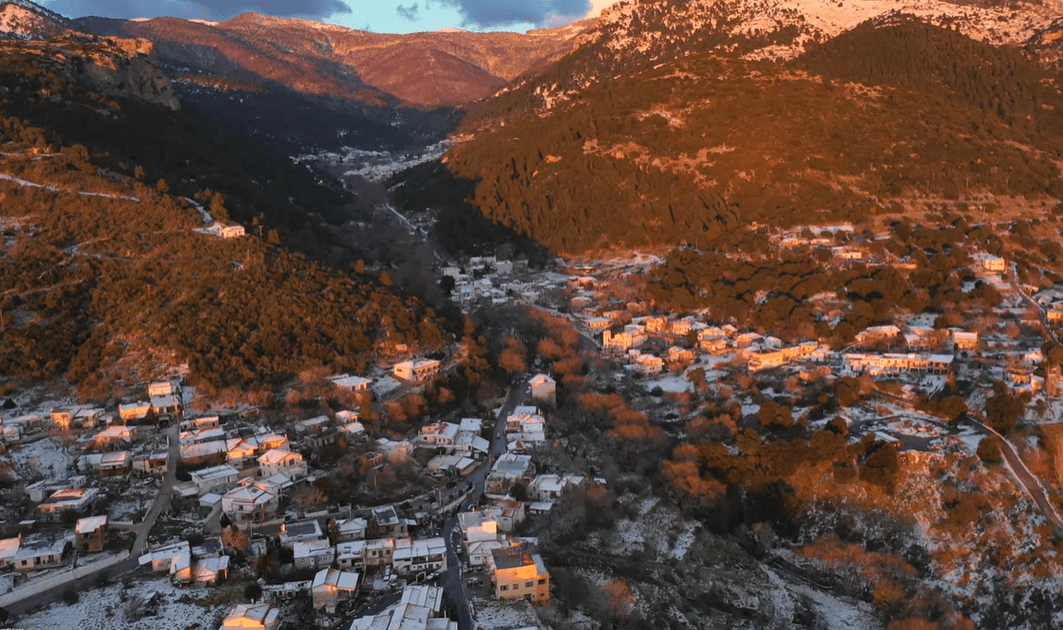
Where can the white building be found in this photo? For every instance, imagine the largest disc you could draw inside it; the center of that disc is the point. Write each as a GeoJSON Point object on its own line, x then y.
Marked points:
{"type": "Point", "coordinates": [332, 586]}
{"type": "Point", "coordinates": [252, 617]}
{"type": "Point", "coordinates": [416, 370]}
{"type": "Point", "coordinates": [441, 437]}
{"type": "Point", "coordinates": [350, 529]}
{"type": "Point", "coordinates": [351, 383]}
{"type": "Point", "coordinates": [419, 609]}
{"type": "Point", "coordinates": [248, 503]}
{"type": "Point", "coordinates": [215, 478]}
{"type": "Point", "coordinates": [279, 460]}
{"type": "Point", "coordinates": [543, 388]}
{"type": "Point", "coordinates": [508, 470]}
{"type": "Point", "coordinates": [413, 557]}
{"type": "Point", "coordinates": [313, 554]}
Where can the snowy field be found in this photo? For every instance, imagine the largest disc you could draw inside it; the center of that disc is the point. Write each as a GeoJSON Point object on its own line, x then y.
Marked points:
{"type": "Point", "coordinates": [46, 458]}
{"type": "Point", "coordinates": [146, 605]}
{"type": "Point", "coordinates": [502, 615]}
{"type": "Point", "coordinates": [384, 386]}
{"type": "Point", "coordinates": [674, 383]}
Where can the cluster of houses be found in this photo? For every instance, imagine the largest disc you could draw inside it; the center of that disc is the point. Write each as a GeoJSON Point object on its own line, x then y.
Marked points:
{"type": "Point", "coordinates": [927, 348]}
{"type": "Point", "coordinates": [838, 241]}
{"type": "Point", "coordinates": [419, 608]}
{"type": "Point", "coordinates": [66, 507]}
{"type": "Point", "coordinates": [164, 401]}
{"type": "Point", "coordinates": [487, 278]}
{"type": "Point", "coordinates": [1051, 302]}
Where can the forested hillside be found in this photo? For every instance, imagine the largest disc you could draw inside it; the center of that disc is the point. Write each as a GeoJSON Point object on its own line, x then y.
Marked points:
{"type": "Point", "coordinates": [698, 149]}
{"type": "Point", "coordinates": [104, 279]}
{"type": "Point", "coordinates": [300, 86]}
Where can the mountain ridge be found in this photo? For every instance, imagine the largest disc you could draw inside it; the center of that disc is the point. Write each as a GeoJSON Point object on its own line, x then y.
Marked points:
{"type": "Point", "coordinates": [775, 30]}
{"type": "Point", "coordinates": [643, 145]}
{"type": "Point", "coordinates": [308, 55]}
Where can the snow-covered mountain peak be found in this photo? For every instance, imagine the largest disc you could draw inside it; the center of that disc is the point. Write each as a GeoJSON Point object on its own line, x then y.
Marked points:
{"type": "Point", "coordinates": [784, 27]}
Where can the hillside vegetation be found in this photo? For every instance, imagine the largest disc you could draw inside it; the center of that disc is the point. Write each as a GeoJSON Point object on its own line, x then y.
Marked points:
{"type": "Point", "coordinates": [699, 148]}
{"type": "Point", "coordinates": [103, 280]}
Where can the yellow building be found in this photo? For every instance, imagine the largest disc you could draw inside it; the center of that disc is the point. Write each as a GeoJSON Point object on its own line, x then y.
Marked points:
{"type": "Point", "coordinates": [520, 574]}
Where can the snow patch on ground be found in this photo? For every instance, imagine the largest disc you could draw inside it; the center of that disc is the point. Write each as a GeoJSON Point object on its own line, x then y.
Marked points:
{"type": "Point", "coordinates": [780, 598]}
{"type": "Point", "coordinates": [970, 438]}
{"type": "Point", "coordinates": [115, 608]}
{"type": "Point", "coordinates": [671, 383]}
{"type": "Point", "coordinates": [505, 615]}
{"type": "Point", "coordinates": [647, 505]}
{"type": "Point", "coordinates": [685, 540]}
{"type": "Point", "coordinates": [628, 537]}
{"type": "Point", "coordinates": [384, 386]}
{"type": "Point", "coordinates": [47, 458]}
{"type": "Point", "coordinates": [837, 613]}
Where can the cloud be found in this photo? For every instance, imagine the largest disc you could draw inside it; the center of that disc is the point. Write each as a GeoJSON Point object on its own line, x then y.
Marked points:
{"type": "Point", "coordinates": [492, 13]}
{"type": "Point", "coordinates": [201, 9]}
{"type": "Point", "coordinates": [410, 13]}
{"type": "Point", "coordinates": [598, 5]}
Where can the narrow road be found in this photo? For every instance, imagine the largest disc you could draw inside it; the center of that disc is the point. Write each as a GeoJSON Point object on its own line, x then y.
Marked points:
{"type": "Point", "coordinates": [162, 500]}
{"type": "Point", "coordinates": [454, 584]}
{"type": "Point", "coordinates": [28, 184]}
{"type": "Point", "coordinates": [1028, 480]}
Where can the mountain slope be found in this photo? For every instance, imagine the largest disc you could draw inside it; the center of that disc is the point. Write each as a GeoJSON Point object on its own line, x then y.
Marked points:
{"type": "Point", "coordinates": [107, 277]}
{"type": "Point", "coordinates": [634, 36]}
{"type": "Point", "coordinates": [699, 147]}
{"type": "Point", "coordinates": [303, 87]}
{"type": "Point", "coordinates": [22, 18]}
{"type": "Point", "coordinates": [324, 59]}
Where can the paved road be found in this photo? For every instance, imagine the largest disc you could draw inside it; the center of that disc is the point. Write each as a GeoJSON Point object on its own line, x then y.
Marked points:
{"type": "Point", "coordinates": [1026, 478]}
{"type": "Point", "coordinates": [79, 585]}
{"type": "Point", "coordinates": [454, 584]}
{"type": "Point", "coordinates": [162, 500]}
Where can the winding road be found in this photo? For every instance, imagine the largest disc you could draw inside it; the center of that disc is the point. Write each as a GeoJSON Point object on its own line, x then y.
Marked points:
{"type": "Point", "coordinates": [1028, 480]}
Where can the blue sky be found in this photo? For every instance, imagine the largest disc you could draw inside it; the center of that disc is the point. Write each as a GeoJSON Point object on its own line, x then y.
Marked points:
{"type": "Point", "coordinates": [382, 16]}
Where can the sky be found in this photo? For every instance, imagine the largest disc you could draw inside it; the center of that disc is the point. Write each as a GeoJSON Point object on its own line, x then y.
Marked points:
{"type": "Point", "coordinates": [382, 16]}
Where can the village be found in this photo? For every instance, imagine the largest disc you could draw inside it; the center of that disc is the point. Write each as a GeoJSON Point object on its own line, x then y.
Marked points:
{"type": "Point", "coordinates": [234, 505]}
{"type": "Point", "coordinates": [152, 488]}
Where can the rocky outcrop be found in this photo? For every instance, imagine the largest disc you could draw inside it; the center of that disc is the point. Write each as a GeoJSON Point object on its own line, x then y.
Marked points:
{"type": "Point", "coordinates": [126, 68]}
{"type": "Point", "coordinates": [117, 67]}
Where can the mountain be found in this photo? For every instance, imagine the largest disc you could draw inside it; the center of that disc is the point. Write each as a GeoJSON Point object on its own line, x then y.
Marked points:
{"type": "Point", "coordinates": [109, 275]}
{"type": "Point", "coordinates": [21, 18]}
{"type": "Point", "coordinates": [425, 69]}
{"type": "Point", "coordinates": [304, 87]}
{"type": "Point", "coordinates": [693, 121]}
{"type": "Point", "coordinates": [636, 35]}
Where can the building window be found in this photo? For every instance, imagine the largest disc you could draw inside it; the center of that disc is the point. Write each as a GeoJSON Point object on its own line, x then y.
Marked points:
{"type": "Point", "coordinates": [542, 580]}
{"type": "Point", "coordinates": [529, 584]}
{"type": "Point", "coordinates": [504, 587]}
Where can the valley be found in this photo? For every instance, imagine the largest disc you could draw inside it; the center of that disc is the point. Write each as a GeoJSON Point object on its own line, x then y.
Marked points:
{"type": "Point", "coordinates": [713, 314]}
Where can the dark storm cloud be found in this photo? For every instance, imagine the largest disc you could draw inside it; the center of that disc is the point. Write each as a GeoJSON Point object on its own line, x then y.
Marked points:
{"type": "Point", "coordinates": [486, 13]}
{"type": "Point", "coordinates": [410, 13]}
{"type": "Point", "coordinates": [202, 9]}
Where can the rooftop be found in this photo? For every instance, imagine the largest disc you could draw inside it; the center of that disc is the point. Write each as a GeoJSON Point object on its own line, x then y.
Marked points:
{"type": "Point", "coordinates": [511, 558]}
{"type": "Point", "coordinates": [90, 524]}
